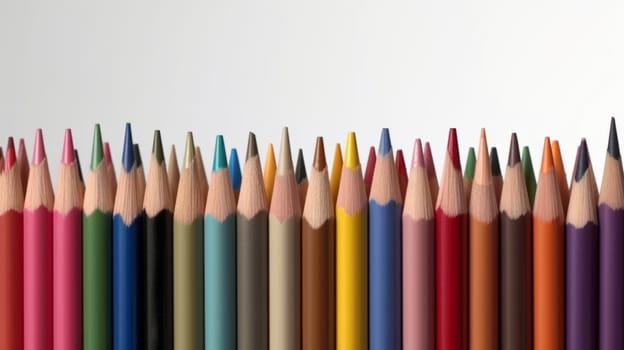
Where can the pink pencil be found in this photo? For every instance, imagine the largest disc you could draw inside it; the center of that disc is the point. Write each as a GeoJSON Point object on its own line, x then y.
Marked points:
{"type": "Point", "coordinates": [38, 252]}
{"type": "Point", "coordinates": [418, 258]}
{"type": "Point", "coordinates": [67, 253]}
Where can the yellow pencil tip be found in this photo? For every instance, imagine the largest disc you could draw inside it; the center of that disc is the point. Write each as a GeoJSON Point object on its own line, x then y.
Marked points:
{"type": "Point", "coordinates": [351, 158]}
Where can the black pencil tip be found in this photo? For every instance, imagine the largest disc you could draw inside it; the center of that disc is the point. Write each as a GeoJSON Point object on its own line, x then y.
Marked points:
{"type": "Point", "coordinates": [494, 163]}
{"type": "Point", "coordinates": [252, 146]}
{"type": "Point", "coordinates": [583, 161]}
{"type": "Point", "coordinates": [300, 169]}
{"type": "Point", "coordinates": [614, 146]}
{"type": "Point", "coordinates": [514, 151]}
{"type": "Point", "coordinates": [137, 155]}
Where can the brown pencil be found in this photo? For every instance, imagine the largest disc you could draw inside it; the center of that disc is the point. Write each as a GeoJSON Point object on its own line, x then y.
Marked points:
{"type": "Point", "coordinates": [22, 164]}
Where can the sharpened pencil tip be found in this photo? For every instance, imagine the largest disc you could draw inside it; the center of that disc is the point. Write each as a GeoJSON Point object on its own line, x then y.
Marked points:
{"type": "Point", "coordinates": [39, 149]}
{"type": "Point", "coordinates": [10, 158]}
{"type": "Point", "coordinates": [97, 151]}
{"type": "Point", "coordinates": [482, 173]}
{"type": "Point", "coordinates": [547, 157]}
{"type": "Point", "coordinates": [189, 151]}
{"type": "Point", "coordinates": [252, 146]}
{"type": "Point", "coordinates": [219, 160]}
{"type": "Point", "coordinates": [418, 159]}
{"type": "Point", "coordinates": [127, 155]}
{"type": "Point", "coordinates": [400, 162]}
{"type": "Point", "coordinates": [471, 160]}
{"type": "Point", "coordinates": [234, 169]}
{"type": "Point", "coordinates": [385, 145]}
{"type": "Point", "coordinates": [495, 163]}
{"type": "Point", "coordinates": [453, 149]}
{"type": "Point", "coordinates": [351, 157]}
{"type": "Point", "coordinates": [320, 163]}
{"type": "Point", "coordinates": [429, 164]}
{"type": "Point", "coordinates": [514, 152]}
{"type": "Point", "coordinates": [137, 155]}
{"type": "Point", "coordinates": [78, 165]}
{"type": "Point", "coordinates": [583, 161]}
{"type": "Point", "coordinates": [68, 148]}
{"type": "Point", "coordinates": [107, 154]}
{"type": "Point", "coordinates": [614, 145]}
{"type": "Point", "coordinates": [285, 162]}
{"type": "Point", "coordinates": [300, 168]}
{"type": "Point", "coordinates": [157, 147]}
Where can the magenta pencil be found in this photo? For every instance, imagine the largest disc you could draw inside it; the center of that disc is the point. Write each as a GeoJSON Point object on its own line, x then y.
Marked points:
{"type": "Point", "coordinates": [38, 252]}
{"type": "Point", "coordinates": [67, 253]}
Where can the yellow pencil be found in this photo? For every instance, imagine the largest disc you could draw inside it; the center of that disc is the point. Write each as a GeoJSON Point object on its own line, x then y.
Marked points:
{"type": "Point", "coordinates": [336, 170]}
{"type": "Point", "coordinates": [269, 173]}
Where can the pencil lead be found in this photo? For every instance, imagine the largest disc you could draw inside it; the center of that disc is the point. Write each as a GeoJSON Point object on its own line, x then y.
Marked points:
{"type": "Point", "coordinates": [189, 151]}
{"type": "Point", "coordinates": [137, 155]}
{"type": "Point", "coordinates": [300, 169]}
{"type": "Point", "coordinates": [157, 147]}
{"type": "Point", "coordinates": [220, 159]}
{"type": "Point", "coordinates": [252, 146]}
{"type": "Point", "coordinates": [470, 164]}
{"type": "Point", "coordinates": [495, 164]}
{"type": "Point", "coordinates": [78, 165]}
{"type": "Point", "coordinates": [97, 152]}
{"type": "Point", "coordinates": [453, 148]}
{"type": "Point", "coordinates": [547, 157]}
{"type": "Point", "coordinates": [614, 145]}
{"type": "Point", "coordinates": [127, 155]}
{"type": "Point", "coordinates": [583, 161]}
{"type": "Point", "coordinates": [429, 164]}
{"type": "Point", "coordinates": [285, 158]}
{"type": "Point", "coordinates": [68, 148]}
{"type": "Point", "coordinates": [320, 163]}
{"type": "Point", "coordinates": [234, 169]}
{"type": "Point", "coordinates": [514, 152]}
{"type": "Point", "coordinates": [417, 154]}
{"type": "Point", "coordinates": [385, 145]}
{"type": "Point", "coordinates": [107, 154]}
{"type": "Point", "coordinates": [351, 157]}
{"type": "Point", "coordinates": [10, 158]}
{"type": "Point", "coordinates": [39, 150]}
{"type": "Point", "coordinates": [482, 172]}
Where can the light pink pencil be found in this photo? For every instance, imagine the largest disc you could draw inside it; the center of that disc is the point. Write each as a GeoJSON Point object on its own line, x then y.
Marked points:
{"type": "Point", "coordinates": [418, 258]}
{"type": "Point", "coordinates": [38, 252]}
{"type": "Point", "coordinates": [67, 253]}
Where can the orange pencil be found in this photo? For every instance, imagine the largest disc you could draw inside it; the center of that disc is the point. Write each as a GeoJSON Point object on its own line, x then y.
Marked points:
{"type": "Point", "coordinates": [336, 171]}
{"type": "Point", "coordinates": [548, 258]}
{"type": "Point", "coordinates": [562, 181]}
{"type": "Point", "coordinates": [270, 167]}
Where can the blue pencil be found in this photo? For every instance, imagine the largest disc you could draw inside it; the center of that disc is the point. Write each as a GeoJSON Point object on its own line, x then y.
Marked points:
{"type": "Point", "coordinates": [126, 228]}
{"type": "Point", "coordinates": [235, 172]}
{"type": "Point", "coordinates": [385, 206]}
{"type": "Point", "coordinates": [220, 257]}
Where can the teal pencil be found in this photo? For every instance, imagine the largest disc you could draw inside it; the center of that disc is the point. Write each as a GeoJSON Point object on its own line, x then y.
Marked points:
{"type": "Point", "coordinates": [220, 257]}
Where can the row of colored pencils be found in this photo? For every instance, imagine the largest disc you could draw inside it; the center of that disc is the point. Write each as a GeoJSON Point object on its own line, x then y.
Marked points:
{"type": "Point", "coordinates": [285, 259]}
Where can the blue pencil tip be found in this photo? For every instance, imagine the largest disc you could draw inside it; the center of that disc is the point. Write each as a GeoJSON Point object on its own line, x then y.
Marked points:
{"type": "Point", "coordinates": [127, 156]}
{"type": "Point", "coordinates": [235, 170]}
{"type": "Point", "coordinates": [220, 160]}
{"type": "Point", "coordinates": [385, 146]}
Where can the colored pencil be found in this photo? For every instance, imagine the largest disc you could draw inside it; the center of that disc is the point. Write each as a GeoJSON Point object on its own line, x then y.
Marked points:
{"type": "Point", "coordinates": [497, 176]}
{"type": "Point", "coordinates": [173, 174]}
{"type": "Point", "coordinates": [140, 174]}
{"type": "Point", "coordinates": [318, 260]}
{"type": "Point", "coordinates": [451, 254]}
{"type": "Point", "coordinates": [67, 252]}
{"type": "Point", "coordinates": [110, 170]}
{"type": "Point", "coordinates": [582, 259]}
{"type": "Point", "coordinates": [22, 164]}
{"type": "Point", "coordinates": [157, 254]}
{"type": "Point", "coordinates": [285, 256]}
{"type": "Point", "coordinates": [220, 256]}
{"type": "Point", "coordinates": [384, 251]}
{"type": "Point", "coordinates": [201, 174]}
{"type": "Point", "coordinates": [235, 172]}
{"type": "Point", "coordinates": [252, 255]}
{"type": "Point", "coordinates": [418, 258]}
{"type": "Point", "coordinates": [562, 180]}
{"type": "Point", "coordinates": [370, 168]}
{"type": "Point", "coordinates": [516, 327]}
{"type": "Point", "coordinates": [1, 161]}
{"type": "Point", "coordinates": [38, 205]}
{"type": "Point", "coordinates": [611, 223]}
{"type": "Point", "coordinates": [79, 166]}
{"type": "Point", "coordinates": [351, 254]}
{"type": "Point", "coordinates": [269, 173]}
{"type": "Point", "coordinates": [11, 252]}
{"type": "Point", "coordinates": [127, 220]}
{"type": "Point", "coordinates": [469, 173]}
{"type": "Point", "coordinates": [188, 253]}
{"type": "Point", "coordinates": [301, 178]}
{"type": "Point", "coordinates": [431, 173]}
{"type": "Point", "coordinates": [483, 254]}
{"type": "Point", "coordinates": [529, 174]}
{"type": "Point", "coordinates": [97, 233]}
{"type": "Point", "coordinates": [548, 258]}
{"type": "Point", "coordinates": [336, 170]}
{"type": "Point", "coordinates": [402, 172]}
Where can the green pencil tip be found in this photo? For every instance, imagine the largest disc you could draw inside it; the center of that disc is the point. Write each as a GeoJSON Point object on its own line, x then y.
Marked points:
{"type": "Point", "coordinates": [157, 148]}
{"type": "Point", "coordinates": [97, 150]}
{"type": "Point", "coordinates": [220, 160]}
{"type": "Point", "coordinates": [470, 164]}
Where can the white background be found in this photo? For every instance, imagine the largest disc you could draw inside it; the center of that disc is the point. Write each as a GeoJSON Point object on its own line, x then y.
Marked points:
{"type": "Point", "coordinates": [321, 67]}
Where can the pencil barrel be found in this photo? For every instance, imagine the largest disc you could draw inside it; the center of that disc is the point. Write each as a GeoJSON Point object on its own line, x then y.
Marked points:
{"type": "Point", "coordinates": [11, 280]}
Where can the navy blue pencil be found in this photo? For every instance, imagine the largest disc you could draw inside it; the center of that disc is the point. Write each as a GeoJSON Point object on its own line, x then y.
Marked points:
{"type": "Point", "coordinates": [385, 207]}
{"type": "Point", "coordinates": [126, 228]}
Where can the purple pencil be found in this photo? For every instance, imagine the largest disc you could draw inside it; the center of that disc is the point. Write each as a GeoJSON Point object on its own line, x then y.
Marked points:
{"type": "Point", "coordinates": [582, 258]}
{"type": "Point", "coordinates": [611, 220]}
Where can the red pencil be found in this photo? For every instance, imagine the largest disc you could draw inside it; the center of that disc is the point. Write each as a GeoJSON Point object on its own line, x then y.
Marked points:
{"type": "Point", "coordinates": [370, 168]}
{"type": "Point", "coordinates": [11, 250]}
{"type": "Point", "coordinates": [22, 164]}
{"type": "Point", "coordinates": [38, 252]}
{"type": "Point", "coordinates": [431, 173]}
{"type": "Point", "coordinates": [451, 254]}
{"type": "Point", "coordinates": [401, 172]}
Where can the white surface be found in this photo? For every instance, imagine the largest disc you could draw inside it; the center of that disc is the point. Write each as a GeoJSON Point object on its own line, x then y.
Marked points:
{"type": "Point", "coordinates": [321, 67]}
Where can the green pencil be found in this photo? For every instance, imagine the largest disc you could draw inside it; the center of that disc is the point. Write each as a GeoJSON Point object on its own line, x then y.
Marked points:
{"type": "Point", "coordinates": [469, 171]}
{"type": "Point", "coordinates": [96, 246]}
{"type": "Point", "coordinates": [529, 174]}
